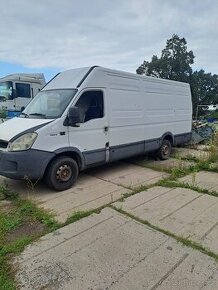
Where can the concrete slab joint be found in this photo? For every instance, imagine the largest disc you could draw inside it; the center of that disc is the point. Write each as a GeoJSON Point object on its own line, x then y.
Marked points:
{"type": "Point", "coordinates": [112, 251]}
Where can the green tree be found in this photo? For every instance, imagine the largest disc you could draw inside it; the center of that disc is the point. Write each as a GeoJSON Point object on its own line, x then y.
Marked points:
{"type": "Point", "coordinates": [174, 63]}
{"type": "Point", "coordinates": [204, 88]}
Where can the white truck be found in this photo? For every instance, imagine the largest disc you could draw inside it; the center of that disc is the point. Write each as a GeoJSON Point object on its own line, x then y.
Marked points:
{"type": "Point", "coordinates": [17, 90]}
{"type": "Point", "coordinates": [90, 116]}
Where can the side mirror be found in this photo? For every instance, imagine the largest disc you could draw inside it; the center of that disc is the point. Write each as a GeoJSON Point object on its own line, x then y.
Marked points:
{"type": "Point", "coordinates": [74, 117]}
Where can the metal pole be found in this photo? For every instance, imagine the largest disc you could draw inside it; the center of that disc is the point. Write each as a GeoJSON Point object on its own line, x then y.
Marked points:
{"type": "Point", "coordinates": [197, 113]}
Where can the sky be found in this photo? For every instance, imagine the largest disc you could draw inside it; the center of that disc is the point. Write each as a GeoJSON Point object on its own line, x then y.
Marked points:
{"type": "Point", "coordinates": [49, 36]}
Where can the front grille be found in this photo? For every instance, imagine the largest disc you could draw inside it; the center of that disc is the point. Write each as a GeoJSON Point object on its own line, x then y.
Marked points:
{"type": "Point", "coordinates": [3, 144]}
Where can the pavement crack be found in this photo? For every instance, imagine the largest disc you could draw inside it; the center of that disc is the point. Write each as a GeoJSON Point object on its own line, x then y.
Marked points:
{"type": "Point", "coordinates": [136, 264]}
{"type": "Point", "coordinates": [91, 200]}
{"type": "Point", "coordinates": [151, 199]}
{"type": "Point", "coordinates": [209, 231]}
{"type": "Point", "coordinates": [209, 279]}
{"type": "Point", "coordinates": [98, 238]}
{"type": "Point", "coordinates": [189, 243]}
{"type": "Point", "coordinates": [184, 205]}
{"type": "Point", "coordinates": [170, 272]}
{"type": "Point", "coordinates": [67, 239]}
{"type": "Point", "coordinates": [111, 181]}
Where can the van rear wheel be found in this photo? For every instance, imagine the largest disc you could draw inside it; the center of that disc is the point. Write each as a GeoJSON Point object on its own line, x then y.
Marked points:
{"type": "Point", "coordinates": [165, 150]}
{"type": "Point", "coordinates": [62, 173]}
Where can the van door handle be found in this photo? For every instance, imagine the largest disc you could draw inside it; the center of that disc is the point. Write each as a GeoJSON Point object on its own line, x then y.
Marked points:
{"type": "Point", "coordinates": [105, 128]}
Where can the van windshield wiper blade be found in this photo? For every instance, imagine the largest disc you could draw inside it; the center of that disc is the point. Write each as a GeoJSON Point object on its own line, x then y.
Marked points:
{"type": "Point", "coordinates": [26, 115]}
{"type": "Point", "coordinates": [38, 114]}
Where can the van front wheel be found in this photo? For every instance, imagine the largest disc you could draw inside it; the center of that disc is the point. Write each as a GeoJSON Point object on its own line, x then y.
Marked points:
{"type": "Point", "coordinates": [165, 150]}
{"type": "Point", "coordinates": [62, 173]}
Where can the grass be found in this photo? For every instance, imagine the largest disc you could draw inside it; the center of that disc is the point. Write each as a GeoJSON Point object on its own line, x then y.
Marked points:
{"type": "Point", "coordinates": [78, 215]}
{"type": "Point", "coordinates": [11, 220]}
{"type": "Point", "coordinates": [27, 208]}
{"type": "Point", "coordinates": [207, 164]}
{"type": "Point", "coordinates": [173, 183]}
{"type": "Point", "coordinates": [6, 273]}
{"type": "Point", "coordinates": [3, 114]}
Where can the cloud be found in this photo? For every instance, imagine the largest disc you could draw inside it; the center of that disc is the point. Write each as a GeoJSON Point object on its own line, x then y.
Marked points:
{"type": "Point", "coordinates": [116, 33]}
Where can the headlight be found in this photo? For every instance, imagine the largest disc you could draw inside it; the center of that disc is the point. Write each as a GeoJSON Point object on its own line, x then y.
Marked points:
{"type": "Point", "coordinates": [23, 142]}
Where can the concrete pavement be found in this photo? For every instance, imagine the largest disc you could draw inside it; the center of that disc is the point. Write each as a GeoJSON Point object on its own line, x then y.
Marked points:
{"type": "Point", "coordinates": [93, 189]}
{"type": "Point", "coordinates": [166, 165]}
{"type": "Point", "coordinates": [187, 152]}
{"type": "Point", "coordinates": [112, 251]}
{"type": "Point", "coordinates": [128, 175]}
{"type": "Point", "coordinates": [203, 179]}
{"type": "Point", "coordinates": [181, 211]}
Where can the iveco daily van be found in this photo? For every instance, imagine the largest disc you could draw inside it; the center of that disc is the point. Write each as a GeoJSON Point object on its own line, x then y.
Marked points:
{"type": "Point", "coordinates": [90, 116]}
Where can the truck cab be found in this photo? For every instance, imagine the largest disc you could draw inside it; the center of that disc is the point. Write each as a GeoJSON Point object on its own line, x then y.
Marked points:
{"type": "Point", "coordinates": [17, 90]}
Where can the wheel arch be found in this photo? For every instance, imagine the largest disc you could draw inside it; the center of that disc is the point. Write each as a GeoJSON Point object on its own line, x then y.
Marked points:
{"type": "Point", "coordinates": [70, 152]}
{"type": "Point", "coordinates": [168, 136]}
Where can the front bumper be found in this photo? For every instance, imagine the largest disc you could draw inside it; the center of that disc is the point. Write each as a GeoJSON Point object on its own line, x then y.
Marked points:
{"type": "Point", "coordinates": [30, 163]}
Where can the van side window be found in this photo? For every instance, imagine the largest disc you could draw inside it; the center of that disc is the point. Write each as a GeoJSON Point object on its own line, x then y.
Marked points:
{"type": "Point", "coordinates": [91, 105]}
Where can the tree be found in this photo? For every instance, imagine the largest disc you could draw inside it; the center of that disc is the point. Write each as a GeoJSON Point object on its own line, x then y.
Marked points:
{"type": "Point", "coordinates": [204, 88]}
{"type": "Point", "coordinates": [174, 63]}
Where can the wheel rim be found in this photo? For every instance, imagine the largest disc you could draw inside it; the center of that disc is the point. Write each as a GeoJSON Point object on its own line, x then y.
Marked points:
{"type": "Point", "coordinates": [165, 150]}
{"type": "Point", "coordinates": [64, 173]}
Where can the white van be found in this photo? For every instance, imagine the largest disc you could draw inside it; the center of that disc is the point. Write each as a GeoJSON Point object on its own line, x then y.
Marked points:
{"type": "Point", "coordinates": [90, 116]}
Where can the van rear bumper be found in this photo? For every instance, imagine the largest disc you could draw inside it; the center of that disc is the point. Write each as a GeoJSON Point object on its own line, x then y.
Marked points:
{"type": "Point", "coordinates": [30, 163]}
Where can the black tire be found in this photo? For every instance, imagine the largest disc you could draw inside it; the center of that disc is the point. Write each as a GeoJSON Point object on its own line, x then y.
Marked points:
{"type": "Point", "coordinates": [62, 173]}
{"type": "Point", "coordinates": [165, 150]}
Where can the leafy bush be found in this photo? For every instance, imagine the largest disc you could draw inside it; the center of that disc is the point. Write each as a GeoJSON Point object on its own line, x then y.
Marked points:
{"type": "Point", "coordinates": [2, 114]}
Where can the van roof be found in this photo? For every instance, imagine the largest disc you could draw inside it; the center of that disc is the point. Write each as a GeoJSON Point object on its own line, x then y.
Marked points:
{"type": "Point", "coordinates": [73, 78]}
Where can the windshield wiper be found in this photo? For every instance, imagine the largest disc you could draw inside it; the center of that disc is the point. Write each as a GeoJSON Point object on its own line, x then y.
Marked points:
{"type": "Point", "coordinates": [38, 114]}
{"type": "Point", "coordinates": [26, 115]}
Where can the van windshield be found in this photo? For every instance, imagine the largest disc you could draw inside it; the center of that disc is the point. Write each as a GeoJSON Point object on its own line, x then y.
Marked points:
{"type": "Point", "coordinates": [49, 104]}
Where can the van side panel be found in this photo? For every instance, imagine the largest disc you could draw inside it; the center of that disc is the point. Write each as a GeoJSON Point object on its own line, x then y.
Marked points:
{"type": "Point", "coordinates": [143, 110]}
{"type": "Point", "coordinates": [158, 110]}
{"type": "Point", "coordinates": [167, 108]}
